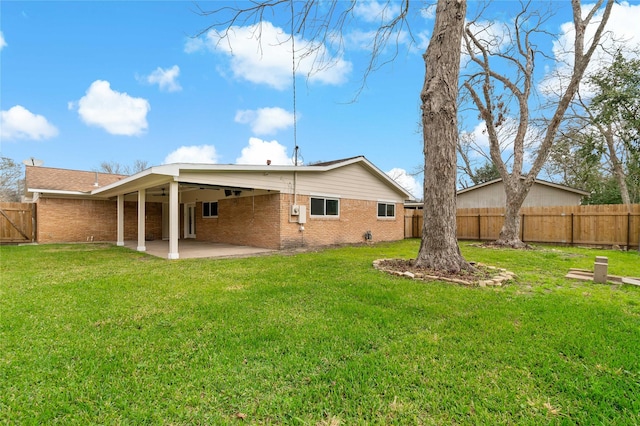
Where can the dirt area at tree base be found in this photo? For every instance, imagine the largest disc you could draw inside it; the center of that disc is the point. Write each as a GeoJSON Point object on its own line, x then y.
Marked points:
{"type": "Point", "coordinates": [482, 276]}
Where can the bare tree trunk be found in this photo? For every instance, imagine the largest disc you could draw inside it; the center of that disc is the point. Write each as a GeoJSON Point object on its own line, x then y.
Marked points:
{"type": "Point", "coordinates": [439, 248]}
{"type": "Point", "coordinates": [510, 232]}
{"type": "Point", "coordinates": [616, 165]}
{"type": "Point", "coordinates": [488, 104]}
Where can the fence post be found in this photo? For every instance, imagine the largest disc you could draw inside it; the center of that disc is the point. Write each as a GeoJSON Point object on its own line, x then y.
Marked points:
{"type": "Point", "coordinates": [629, 230]}
{"type": "Point", "coordinates": [572, 228]}
{"type": "Point", "coordinates": [522, 229]}
{"type": "Point", "coordinates": [479, 225]}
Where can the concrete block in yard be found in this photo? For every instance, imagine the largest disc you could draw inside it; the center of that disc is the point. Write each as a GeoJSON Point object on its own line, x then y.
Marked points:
{"type": "Point", "coordinates": [600, 270]}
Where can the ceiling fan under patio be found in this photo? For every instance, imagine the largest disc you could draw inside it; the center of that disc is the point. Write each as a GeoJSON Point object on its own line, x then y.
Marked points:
{"type": "Point", "coordinates": [160, 192]}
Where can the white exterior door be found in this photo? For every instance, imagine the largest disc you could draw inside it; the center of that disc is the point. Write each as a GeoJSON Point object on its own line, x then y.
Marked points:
{"type": "Point", "coordinates": [190, 220]}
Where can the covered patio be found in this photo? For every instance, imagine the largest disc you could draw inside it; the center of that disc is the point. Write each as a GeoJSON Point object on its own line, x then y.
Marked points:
{"type": "Point", "coordinates": [192, 249]}
{"type": "Point", "coordinates": [178, 187]}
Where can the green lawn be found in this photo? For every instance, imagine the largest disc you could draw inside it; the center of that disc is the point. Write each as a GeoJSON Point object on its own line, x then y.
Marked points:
{"type": "Point", "coordinates": [97, 334]}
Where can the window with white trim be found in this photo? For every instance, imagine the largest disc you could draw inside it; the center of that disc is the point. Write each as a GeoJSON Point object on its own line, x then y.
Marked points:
{"type": "Point", "coordinates": [325, 206]}
{"type": "Point", "coordinates": [210, 209]}
{"type": "Point", "coordinates": [386, 210]}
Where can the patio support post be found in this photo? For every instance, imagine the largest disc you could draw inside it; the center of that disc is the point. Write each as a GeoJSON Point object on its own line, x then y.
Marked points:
{"type": "Point", "coordinates": [120, 225]}
{"type": "Point", "coordinates": [174, 219]}
{"type": "Point", "coordinates": [141, 219]}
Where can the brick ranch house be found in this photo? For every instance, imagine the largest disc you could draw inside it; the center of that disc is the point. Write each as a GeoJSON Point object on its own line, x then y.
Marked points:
{"type": "Point", "coordinates": [275, 207]}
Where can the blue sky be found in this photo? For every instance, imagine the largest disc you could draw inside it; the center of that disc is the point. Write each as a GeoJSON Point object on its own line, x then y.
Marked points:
{"type": "Point", "coordinates": [86, 82]}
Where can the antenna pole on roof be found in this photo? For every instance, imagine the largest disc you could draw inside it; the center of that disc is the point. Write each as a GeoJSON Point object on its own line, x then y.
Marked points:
{"type": "Point", "coordinates": [293, 75]}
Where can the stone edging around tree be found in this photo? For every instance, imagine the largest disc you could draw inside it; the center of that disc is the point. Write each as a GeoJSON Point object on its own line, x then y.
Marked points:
{"type": "Point", "coordinates": [502, 275]}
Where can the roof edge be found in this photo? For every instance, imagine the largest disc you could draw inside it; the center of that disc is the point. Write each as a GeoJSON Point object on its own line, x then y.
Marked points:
{"type": "Point", "coordinates": [57, 191]}
{"type": "Point", "coordinates": [175, 169]}
{"type": "Point", "coordinates": [540, 181]}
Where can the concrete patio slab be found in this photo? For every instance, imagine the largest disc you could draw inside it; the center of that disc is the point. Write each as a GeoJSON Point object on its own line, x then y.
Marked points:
{"type": "Point", "coordinates": [191, 249]}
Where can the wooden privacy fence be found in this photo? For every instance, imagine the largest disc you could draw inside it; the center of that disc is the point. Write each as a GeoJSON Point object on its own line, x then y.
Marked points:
{"type": "Point", "coordinates": [607, 225]}
{"type": "Point", "coordinates": [17, 222]}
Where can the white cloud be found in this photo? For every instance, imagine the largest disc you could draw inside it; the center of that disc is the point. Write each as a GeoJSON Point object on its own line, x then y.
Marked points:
{"type": "Point", "coordinates": [20, 123]}
{"type": "Point", "coordinates": [479, 135]}
{"type": "Point", "coordinates": [480, 145]}
{"type": "Point", "coordinates": [407, 181]}
{"type": "Point", "coordinates": [261, 54]}
{"type": "Point", "coordinates": [360, 39]}
{"type": "Point", "coordinates": [193, 154]}
{"type": "Point", "coordinates": [265, 121]}
{"type": "Point", "coordinates": [117, 113]}
{"type": "Point", "coordinates": [374, 11]}
{"type": "Point", "coordinates": [491, 34]}
{"type": "Point", "coordinates": [259, 151]}
{"type": "Point", "coordinates": [166, 79]}
{"type": "Point", "coordinates": [428, 12]}
{"type": "Point", "coordinates": [623, 29]}
{"type": "Point", "coordinates": [194, 45]}
{"type": "Point", "coordinates": [3, 43]}
{"type": "Point", "coordinates": [367, 40]}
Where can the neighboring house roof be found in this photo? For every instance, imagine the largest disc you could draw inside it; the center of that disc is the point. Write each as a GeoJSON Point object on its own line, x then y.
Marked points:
{"type": "Point", "coordinates": [538, 181]}
{"type": "Point", "coordinates": [419, 204]}
{"type": "Point", "coordinates": [48, 179]}
{"type": "Point", "coordinates": [248, 177]}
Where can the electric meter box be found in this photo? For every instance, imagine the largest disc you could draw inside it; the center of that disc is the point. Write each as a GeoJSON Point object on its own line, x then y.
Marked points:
{"type": "Point", "coordinates": [302, 217]}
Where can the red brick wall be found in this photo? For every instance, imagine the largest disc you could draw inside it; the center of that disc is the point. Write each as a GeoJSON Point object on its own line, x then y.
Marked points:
{"type": "Point", "coordinates": [64, 220]}
{"type": "Point", "coordinates": [261, 221]}
{"type": "Point", "coordinates": [251, 221]}
{"type": "Point", "coordinates": [356, 217]}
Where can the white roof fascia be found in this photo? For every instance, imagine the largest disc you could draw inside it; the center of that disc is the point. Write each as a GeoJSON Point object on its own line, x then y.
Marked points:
{"type": "Point", "coordinates": [57, 191]}
{"type": "Point", "coordinates": [168, 170]}
{"type": "Point", "coordinates": [174, 170]}
{"type": "Point", "coordinates": [249, 168]}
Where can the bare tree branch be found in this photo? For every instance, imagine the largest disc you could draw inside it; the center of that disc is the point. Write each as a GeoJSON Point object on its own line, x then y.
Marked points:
{"type": "Point", "coordinates": [487, 87]}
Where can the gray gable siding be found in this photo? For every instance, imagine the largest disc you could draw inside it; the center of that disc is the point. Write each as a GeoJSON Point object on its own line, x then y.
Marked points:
{"type": "Point", "coordinates": [352, 181]}
{"type": "Point", "coordinates": [540, 195]}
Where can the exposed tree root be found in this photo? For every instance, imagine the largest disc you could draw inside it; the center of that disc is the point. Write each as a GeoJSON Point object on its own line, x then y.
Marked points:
{"type": "Point", "coordinates": [514, 244]}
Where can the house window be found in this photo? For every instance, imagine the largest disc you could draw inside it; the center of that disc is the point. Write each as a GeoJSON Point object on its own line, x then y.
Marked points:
{"type": "Point", "coordinates": [386, 210]}
{"type": "Point", "coordinates": [210, 209]}
{"type": "Point", "coordinates": [325, 206]}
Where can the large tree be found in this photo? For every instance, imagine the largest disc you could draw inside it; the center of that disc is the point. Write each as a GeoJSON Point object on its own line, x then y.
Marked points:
{"type": "Point", "coordinates": [496, 92]}
{"type": "Point", "coordinates": [10, 180]}
{"type": "Point", "coordinates": [597, 147]}
{"type": "Point", "coordinates": [324, 22]}
{"type": "Point", "coordinates": [617, 98]}
{"type": "Point", "coordinates": [439, 247]}
{"type": "Point", "coordinates": [615, 112]}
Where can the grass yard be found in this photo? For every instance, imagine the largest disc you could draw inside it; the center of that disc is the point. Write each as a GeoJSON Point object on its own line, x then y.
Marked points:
{"type": "Point", "coordinates": [98, 334]}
